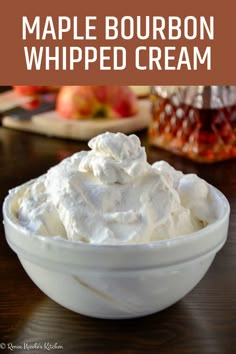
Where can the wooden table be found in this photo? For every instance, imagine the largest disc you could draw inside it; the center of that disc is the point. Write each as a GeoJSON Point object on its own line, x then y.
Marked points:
{"type": "Point", "coordinates": [204, 322]}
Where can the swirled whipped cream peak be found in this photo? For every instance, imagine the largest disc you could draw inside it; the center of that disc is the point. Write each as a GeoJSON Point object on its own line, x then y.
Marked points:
{"type": "Point", "coordinates": [112, 195]}
{"type": "Point", "coordinates": [115, 158]}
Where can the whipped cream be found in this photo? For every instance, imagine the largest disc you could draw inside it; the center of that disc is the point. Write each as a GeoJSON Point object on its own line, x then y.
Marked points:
{"type": "Point", "coordinates": [112, 195]}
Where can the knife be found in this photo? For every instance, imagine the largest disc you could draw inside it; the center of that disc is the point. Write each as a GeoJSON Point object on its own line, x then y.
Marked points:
{"type": "Point", "coordinates": [46, 103]}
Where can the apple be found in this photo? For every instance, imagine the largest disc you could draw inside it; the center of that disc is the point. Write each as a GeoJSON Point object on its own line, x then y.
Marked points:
{"type": "Point", "coordinates": [82, 102]}
{"type": "Point", "coordinates": [28, 90]}
{"type": "Point", "coordinates": [34, 90]}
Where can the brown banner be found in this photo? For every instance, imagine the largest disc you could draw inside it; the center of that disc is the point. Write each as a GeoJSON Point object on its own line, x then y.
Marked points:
{"type": "Point", "coordinates": [125, 42]}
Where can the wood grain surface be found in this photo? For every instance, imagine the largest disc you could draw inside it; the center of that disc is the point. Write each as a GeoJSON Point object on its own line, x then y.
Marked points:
{"type": "Point", "coordinates": [204, 322]}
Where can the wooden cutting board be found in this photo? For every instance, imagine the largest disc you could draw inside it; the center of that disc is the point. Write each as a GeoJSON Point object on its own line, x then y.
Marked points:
{"type": "Point", "coordinates": [51, 124]}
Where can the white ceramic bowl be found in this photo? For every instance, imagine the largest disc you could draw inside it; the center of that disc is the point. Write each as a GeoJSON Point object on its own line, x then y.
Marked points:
{"type": "Point", "coordinates": [116, 282]}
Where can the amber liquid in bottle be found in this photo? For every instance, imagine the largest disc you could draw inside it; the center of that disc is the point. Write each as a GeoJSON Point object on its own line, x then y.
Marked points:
{"type": "Point", "coordinates": [204, 135]}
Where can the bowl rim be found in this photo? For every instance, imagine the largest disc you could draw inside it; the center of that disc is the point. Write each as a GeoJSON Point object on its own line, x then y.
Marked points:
{"type": "Point", "coordinates": [158, 243]}
{"type": "Point", "coordinates": [186, 247]}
